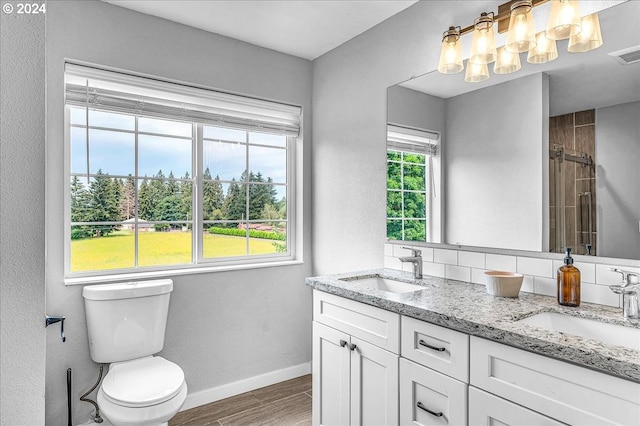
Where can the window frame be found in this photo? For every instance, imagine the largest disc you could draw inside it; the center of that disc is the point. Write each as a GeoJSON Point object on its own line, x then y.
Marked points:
{"type": "Point", "coordinates": [413, 140]}
{"type": "Point", "coordinates": [199, 263]}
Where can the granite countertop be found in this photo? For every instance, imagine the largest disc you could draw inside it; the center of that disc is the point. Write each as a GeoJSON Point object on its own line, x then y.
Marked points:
{"type": "Point", "coordinates": [470, 309]}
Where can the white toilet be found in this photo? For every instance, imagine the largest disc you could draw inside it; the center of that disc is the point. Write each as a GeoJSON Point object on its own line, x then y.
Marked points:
{"type": "Point", "coordinates": [126, 324]}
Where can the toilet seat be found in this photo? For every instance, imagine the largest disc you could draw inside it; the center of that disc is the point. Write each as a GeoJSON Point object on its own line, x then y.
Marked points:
{"type": "Point", "coordinates": [142, 382]}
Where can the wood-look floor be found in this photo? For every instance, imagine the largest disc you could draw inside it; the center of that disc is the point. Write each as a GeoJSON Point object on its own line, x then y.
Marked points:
{"type": "Point", "coordinates": [283, 404]}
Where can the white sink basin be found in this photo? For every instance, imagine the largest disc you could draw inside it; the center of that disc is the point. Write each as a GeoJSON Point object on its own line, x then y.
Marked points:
{"type": "Point", "coordinates": [612, 334]}
{"type": "Point", "coordinates": [386, 284]}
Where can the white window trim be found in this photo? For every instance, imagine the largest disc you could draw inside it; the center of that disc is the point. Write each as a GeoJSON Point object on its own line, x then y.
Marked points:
{"type": "Point", "coordinates": [429, 143]}
{"type": "Point", "coordinates": [200, 265]}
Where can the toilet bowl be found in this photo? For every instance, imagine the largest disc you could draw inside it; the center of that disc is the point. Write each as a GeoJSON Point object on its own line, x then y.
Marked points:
{"type": "Point", "coordinates": [142, 392]}
{"type": "Point", "coordinates": [126, 324]}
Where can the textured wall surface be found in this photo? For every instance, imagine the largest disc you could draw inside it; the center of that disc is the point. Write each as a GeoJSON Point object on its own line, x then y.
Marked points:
{"type": "Point", "coordinates": [349, 122]}
{"type": "Point", "coordinates": [22, 212]}
{"type": "Point", "coordinates": [223, 327]}
{"type": "Point", "coordinates": [618, 174]}
{"type": "Point", "coordinates": [488, 163]}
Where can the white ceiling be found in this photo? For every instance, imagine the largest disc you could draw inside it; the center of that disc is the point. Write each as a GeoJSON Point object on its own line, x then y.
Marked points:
{"type": "Point", "coordinates": [303, 28]}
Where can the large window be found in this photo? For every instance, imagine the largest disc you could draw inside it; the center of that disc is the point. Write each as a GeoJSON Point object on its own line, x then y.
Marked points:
{"type": "Point", "coordinates": [162, 180]}
{"type": "Point", "coordinates": [409, 183]}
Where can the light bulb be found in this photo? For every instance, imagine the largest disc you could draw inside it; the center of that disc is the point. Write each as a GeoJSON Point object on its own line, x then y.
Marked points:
{"type": "Point", "coordinates": [521, 34]}
{"type": "Point", "coordinates": [564, 19]}
{"type": "Point", "coordinates": [476, 73]}
{"type": "Point", "coordinates": [451, 52]}
{"type": "Point", "coordinates": [506, 62]}
{"type": "Point", "coordinates": [544, 51]}
{"type": "Point", "coordinates": [483, 44]}
{"type": "Point", "coordinates": [589, 38]}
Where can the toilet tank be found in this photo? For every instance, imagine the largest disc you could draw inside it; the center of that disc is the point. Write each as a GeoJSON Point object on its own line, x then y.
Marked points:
{"type": "Point", "coordinates": [128, 320]}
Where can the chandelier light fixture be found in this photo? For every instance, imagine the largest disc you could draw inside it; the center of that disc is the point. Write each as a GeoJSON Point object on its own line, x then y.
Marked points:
{"type": "Point", "coordinates": [564, 23]}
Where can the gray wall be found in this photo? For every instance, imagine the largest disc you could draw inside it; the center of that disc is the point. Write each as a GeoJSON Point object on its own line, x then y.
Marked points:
{"type": "Point", "coordinates": [416, 109]}
{"type": "Point", "coordinates": [494, 165]}
{"type": "Point", "coordinates": [223, 327]}
{"type": "Point", "coordinates": [349, 118]}
{"type": "Point", "coordinates": [617, 177]}
{"type": "Point", "coordinates": [22, 212]}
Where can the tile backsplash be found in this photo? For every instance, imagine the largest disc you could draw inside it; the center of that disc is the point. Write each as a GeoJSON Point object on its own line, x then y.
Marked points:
{"type": "Point", "coordinates": [539, 273]}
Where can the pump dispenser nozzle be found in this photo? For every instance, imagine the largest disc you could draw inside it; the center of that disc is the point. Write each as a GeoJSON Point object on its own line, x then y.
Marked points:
{"type": "Point", "coordinates": [568, 260]}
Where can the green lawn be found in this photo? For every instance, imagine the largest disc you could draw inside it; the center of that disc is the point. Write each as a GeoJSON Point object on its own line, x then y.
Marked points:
{"type": "Point", "coordinates": [116, 250]}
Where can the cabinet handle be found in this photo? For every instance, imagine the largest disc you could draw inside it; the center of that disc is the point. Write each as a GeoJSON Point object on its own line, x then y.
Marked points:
{"type": "Point", "coordinates": [353, 347]}
{"type": "Point", "coordinates": [433, 413]}
{"type": "Point", "coordinates": [343, 343]}
{"type": "Point", "coordinates": [435, 348]}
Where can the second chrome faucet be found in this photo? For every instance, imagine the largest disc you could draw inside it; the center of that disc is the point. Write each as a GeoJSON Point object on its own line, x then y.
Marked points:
{"type": "Point", "coordinates": [416, 260]}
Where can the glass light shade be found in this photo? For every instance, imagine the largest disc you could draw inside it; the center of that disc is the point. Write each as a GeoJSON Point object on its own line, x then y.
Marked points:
{"type": "Point", "coordinates": [506, 62]}
{"type": "Point", "coordinates": [544, 51]}
{"type": "Point", "coordinates": [476, 73]}
{"type": "Point", "coordinates": [483, 43]}
{"type": "Point", "coordinates": [521, 35]}
{"type": "Point", "coordinates": [451, 52]}
{"type": "Point", "coordinates": [564, 18]}
{"type": "Point", "coordinates": [589, 37]}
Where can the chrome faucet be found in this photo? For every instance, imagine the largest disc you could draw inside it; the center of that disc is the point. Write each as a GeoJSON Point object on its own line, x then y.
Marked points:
{"type": "Point", "coordinates": [416, 259]}
{"type": "Point", "coordinates": [629, 291]}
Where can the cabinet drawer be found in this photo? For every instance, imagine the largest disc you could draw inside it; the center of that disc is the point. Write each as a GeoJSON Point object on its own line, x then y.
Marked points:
{"type": "Point", "coordinates": [439, 348]}
{"type": "Point", "coordinates": [371, 324]}
{"type": "Point", "coordinates": [430, 398]}
{"type": "Point", "coordinates": [557, 389]}
{"type": "Point", "coordinates": [486, 409]}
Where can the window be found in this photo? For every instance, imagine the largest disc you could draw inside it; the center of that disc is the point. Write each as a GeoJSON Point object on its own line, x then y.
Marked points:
{"type": "Point", "coordinates": [169, 176]}
{"type": "Point", "coordinates": [410, 183]}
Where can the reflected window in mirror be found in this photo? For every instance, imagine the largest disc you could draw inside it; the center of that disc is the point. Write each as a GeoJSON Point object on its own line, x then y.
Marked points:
{"type": "Point", "coordinates": [410, 177]}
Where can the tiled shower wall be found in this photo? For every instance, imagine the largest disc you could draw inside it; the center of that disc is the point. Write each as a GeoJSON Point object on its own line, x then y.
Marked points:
{"type": "Point", "coordinates": [576, 133]}
{"type": "Point", "coordinates": [539, 273]}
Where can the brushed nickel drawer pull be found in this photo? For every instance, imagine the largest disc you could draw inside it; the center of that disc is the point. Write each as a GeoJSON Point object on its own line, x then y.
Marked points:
{"type": "Point", "coordinates": [343, 343]}
{"type": "Point", "coordinates": [433, 413]}
{"type": "Point", "coordinates": [435, 348]}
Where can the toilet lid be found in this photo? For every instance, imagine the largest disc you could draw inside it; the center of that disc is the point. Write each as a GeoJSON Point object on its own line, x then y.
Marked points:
{"type": "Point", "coordinates": [142, 382]}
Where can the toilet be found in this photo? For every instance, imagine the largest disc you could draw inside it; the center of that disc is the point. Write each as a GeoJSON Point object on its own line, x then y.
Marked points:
{"type": "Point", "coordinates": [126, 325]}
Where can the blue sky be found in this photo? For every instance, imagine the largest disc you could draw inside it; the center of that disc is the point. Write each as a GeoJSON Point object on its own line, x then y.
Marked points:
{"type": "Point", "coordinates": [114, 151]}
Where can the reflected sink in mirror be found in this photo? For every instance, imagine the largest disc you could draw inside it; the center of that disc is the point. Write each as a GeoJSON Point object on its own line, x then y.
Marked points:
{"type": "Point", "coordinates": [612, 334]}
{"type": "Point", "coordinates": [385, 284]}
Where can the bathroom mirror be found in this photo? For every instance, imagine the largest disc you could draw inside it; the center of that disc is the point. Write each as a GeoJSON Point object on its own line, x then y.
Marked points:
{"type": "Point", "coordinates": [541, 158]}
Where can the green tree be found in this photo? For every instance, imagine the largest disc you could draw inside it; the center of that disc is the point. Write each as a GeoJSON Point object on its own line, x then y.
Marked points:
{"type": "Point", "coordinates": [145, 206]}
{"type": "Point", "coordinates": [103, 203]}
{"type": "Point", "coordinates": [212, 196]}
{"type": "Point", "coordinates": [127, 199]}
{"type": "Point", "coordinates": [186, 197]}
{"type": "Point", "coordinates": [80, 209]}
{"type": "Point", "coordinates": [234, 204]}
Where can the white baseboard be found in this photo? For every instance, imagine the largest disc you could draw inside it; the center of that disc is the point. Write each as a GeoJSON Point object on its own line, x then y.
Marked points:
{"type": "Point", "coordinates": [206, 396]}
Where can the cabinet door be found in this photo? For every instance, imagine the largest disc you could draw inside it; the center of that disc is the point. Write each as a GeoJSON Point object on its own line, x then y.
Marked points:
{"type": "Point", "coordinates": [331, 375]}
{"type": "Point", "coordinates": [374, 385]}
{"type": "Point", "coordinates": [430, 398]}
{"type": "Point", "coordinates": [489, 410]}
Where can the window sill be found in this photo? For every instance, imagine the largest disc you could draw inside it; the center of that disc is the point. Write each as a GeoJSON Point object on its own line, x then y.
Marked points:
{"type": "Point", "coordinates": [168, 273]}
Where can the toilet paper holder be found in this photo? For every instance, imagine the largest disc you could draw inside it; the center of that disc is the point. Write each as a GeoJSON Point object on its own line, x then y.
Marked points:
{"type": "Point", "coordinates": [52, 319]}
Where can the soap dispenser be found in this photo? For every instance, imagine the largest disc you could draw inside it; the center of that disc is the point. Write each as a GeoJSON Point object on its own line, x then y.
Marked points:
{"type": "Point", "coordinates": [568, 282]}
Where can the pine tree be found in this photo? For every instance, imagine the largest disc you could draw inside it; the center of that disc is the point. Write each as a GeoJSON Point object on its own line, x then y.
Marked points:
{"type": "Point", "coordinates": [103, 203]}
{"type": "Point", "coordinates": [186, 197]}
{"type": "Point", "coordinates": [127, 199]}
{"type": "Point", "coordinates": [145, 207]}
{"type": "Point", "coordinates": [80, 208]}
{"type": "Point", "coordinates": [212, 196]}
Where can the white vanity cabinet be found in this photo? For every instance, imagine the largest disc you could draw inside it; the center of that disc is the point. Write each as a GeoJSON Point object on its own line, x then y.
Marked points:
{"type": "Point", "coordinates": [434, 372]}
{"type": "Point", "coordinates": [376, 367]}
{"type": "Point", "coordinates": [556, 389]}
{"type": "Point", "coordinates": [355, 363]}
